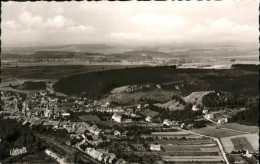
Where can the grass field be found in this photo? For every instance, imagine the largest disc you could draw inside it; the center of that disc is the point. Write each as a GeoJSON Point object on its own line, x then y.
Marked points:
{"type": "Point", "coordinates": [212, 131]}
{"type": "Point", "coordinates": [195, 148]}
{"type": "Point", "coordinates": [245, 128]}
{"type": "Point", "coordinates": [245, 141]}
{"type": "Point", "coordinates": [193, 158]}
{"type": "Point", "coordinates": [241, 143]}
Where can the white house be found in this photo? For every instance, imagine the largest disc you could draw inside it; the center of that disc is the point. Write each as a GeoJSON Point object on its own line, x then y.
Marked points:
{"type": "Point", "coordinates": [148, 119]}
{"type": "Point", "coordinates": [65, 114]}
{"type": "Point", "coordinates": [116, 117]}
{"type": "Point", "coordinates": [248, 155]}
{"type": "Point", "coordinates": [154, 147]}
{"type": "Point", "coordinates": [167, 122]}
{"type": "Point", "coordinates": [205, 111]}
{"type": "Point", "coordinates": [195, 108]}
{"type": "Point", "coordinates": [222, 120]}
{"type": "Point", "coordinates": [209, 116]}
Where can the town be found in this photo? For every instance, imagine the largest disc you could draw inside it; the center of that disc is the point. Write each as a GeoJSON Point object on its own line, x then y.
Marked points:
{"type": "Point", "coordinates": [107, 132]}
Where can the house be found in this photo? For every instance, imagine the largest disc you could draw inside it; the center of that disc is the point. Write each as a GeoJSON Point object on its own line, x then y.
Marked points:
{"type": "Point", "coordinates": [95, 154]}
{"type": "Point", "coordinates": [128, 120]}
{"type": "Point", "coordinates": [195, 108]}
{"type": "Point", "coordinates": [209, 116]}
{"type": "Point", "coordinates": [111, 159]}
{"type": "Point", "coordinates": [248, 154]}
{"type": "Point", "coordinates": [205, 111]}
{"type": "Point", "coordinates": [116, 117]}
{"type": "Point", "coordinates": [65, 114]}
{"type": "Point", "coordinates": [167, 122]}
{"type": "Point", "coordinates": [139, 106]}
{"type": "Point", "coordinates": [117, 133]}
{"type": "Point", "coordinates": [148, 119]}
{"type": "Point", "coordinates": [105, 159]}
{"type": "Point", "coordinates": [182, 125]}
{"type": "Point", "coordinates": [190, 126]}
{"type": "Point", "coordinates": [154, 147]}
{"type": "Point", "coordinates": [222, 121]}
{"type": "Point", "coordinates": [106, 104]}
{"type": "Point", "coordinates": [92, 129]}
{"type": "Point", "coordinates": [97, 131]}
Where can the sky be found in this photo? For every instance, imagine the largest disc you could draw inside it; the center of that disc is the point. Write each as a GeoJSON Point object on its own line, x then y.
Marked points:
{"type": "Point", "coordinates": [129, 23]}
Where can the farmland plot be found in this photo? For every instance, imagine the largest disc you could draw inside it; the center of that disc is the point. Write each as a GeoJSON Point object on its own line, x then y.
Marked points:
{"type": "Point", "coordinates": [245, 141]}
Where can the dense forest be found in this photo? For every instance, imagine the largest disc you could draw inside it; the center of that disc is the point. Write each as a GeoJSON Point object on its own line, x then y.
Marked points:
{"type": "Point", "coordinates": [246, 66]}
{"type": "Point", "coordinates": [30, 85]}
{"type": "Point", "coordinates": [250, 116]}
{"type": "Point", "coordinates": [14, 135]}
{"type": "Point", "coordinates": [96, 84]}
{"type": "Point", "coordinates": [223, 99]}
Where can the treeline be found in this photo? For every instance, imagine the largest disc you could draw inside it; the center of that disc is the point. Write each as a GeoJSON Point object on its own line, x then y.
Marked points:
{"type": "Point", "coordinates": [250, 116]}
{"type": "Point", "coordinates": [30, 85]}
{"type": "Point", "coordinates": [96, 84]}
{"type": "Point", "coordinates": [222, 99]}
{"type": "Point", "coordinates": [178, 98]}
{"type": "Point", "coordinates": [246, 66]}
{"type": "Point", "coordinates": [186, 115]}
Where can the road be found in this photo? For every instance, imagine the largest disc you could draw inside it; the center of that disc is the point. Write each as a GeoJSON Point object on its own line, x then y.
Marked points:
{"type": "Point", "coordinates": [210, 120]}
{"type": "Point", "coordinates": [216, 139]}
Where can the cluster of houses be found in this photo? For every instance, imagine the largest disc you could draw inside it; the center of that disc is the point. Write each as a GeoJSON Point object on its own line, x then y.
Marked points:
{"type": "Point", "coordinates": [103, 156]}
{"type": "Point", "coordinates": [210, 116]}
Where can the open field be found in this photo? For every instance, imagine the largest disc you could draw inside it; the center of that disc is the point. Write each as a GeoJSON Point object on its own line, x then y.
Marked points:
{"type": "Point", "coordinates": [134, 97]}
{"type": "Point", "coordinates": [245, 141]}
{"type": "Point", "coordinates": [178, 134]}
{"type": "Point", "coordinates": [193, 158]}
{"type": "Point", "coordinates": [241, 143]}
{"type": "Point", "coordinates": [52, 71]}
{"type": "Point", "coordinates": [240, 127]}
{"type": "Point", "coordinates": [214, 132]}
{"type": "Point", "coordinates": [205, 147]}
{"type": "Point", "coordinates": [171, 105]}
{"type": "Point", "coordinates": [150, 113]}
{"type": "Point", "coordinates": [196, 97]}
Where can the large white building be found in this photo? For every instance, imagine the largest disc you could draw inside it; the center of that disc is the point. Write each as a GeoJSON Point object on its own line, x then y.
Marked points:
{"type": "Point", "coordinates": [154, 147]}
{"type": "Point", "coordinates": [195, 108]}
{"type": "Point", "coordinates": [116, 117]}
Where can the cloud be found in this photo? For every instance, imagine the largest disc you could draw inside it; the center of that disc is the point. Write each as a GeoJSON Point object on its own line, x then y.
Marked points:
{"type": "Point", "coordinates": [58, 22]}
{"type": "Point", "coordinates": [222, 30]}
{"type": "Point", "coordinates": [157, 20]}
{"type": "Point", "coordinates": [10, 24]}
{"type": "Point", "coordinates": [220, 23]}
{"type": "Point", "coordinates": [27, 19]}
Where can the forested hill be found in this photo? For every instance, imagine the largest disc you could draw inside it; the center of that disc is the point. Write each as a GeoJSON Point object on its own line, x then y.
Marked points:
{"type": "Point", "coordinates": [96, 84]}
